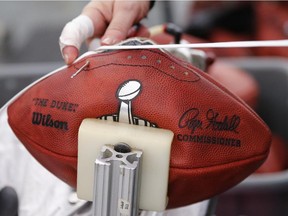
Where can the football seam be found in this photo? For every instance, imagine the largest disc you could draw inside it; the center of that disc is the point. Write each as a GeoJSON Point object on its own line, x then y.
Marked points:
{"type": "Point", "coordinates": [148, 66]}
{"type": "Point", "coordinates": [175, 60]}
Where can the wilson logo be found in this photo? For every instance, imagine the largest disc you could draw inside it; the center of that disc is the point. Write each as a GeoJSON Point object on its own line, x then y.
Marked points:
{"type": "Point", "coordinates": [48, 121]}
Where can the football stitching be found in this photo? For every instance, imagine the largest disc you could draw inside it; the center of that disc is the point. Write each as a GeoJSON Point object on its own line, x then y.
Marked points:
{"type": "Point", "coordinates": [147, 66]}
{"type": "Point", "coordinates": [169, 57]}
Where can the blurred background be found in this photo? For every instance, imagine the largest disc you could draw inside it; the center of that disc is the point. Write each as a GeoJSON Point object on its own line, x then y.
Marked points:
{"type": "Point", "coordinates": [29, 32]}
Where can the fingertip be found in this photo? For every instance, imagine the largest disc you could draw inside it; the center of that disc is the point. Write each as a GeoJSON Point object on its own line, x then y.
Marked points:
{"type": "Point", "coordinates": [108, 40]}
{"type": "Point", "coordinates": [70, 53]}
{"type": "Point", "coordinates": [112, 37]}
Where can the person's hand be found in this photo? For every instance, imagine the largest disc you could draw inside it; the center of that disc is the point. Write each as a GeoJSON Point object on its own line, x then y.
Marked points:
{"type": "Point", "coordinates": [112, 21]}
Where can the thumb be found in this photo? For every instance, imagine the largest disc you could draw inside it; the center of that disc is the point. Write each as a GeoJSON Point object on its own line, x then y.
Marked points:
{"type": "Point", "coordinates": [70, 53]}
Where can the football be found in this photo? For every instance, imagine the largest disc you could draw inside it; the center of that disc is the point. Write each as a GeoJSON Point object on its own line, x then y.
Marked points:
{"type": "Point", "coordinates": [128, 90]}
{"type": "Point", "coordinates": [218, 139]}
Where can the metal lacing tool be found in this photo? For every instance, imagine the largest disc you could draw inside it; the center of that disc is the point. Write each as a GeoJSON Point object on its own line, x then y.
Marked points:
{"type": "Point", "coordinates": [80, 69]}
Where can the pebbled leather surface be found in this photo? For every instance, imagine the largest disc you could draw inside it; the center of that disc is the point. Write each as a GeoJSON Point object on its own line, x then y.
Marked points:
{"type": "Point", "coordinates": [218, 140]}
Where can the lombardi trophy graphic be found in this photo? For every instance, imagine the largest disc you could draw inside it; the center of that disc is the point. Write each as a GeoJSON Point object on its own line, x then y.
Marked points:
{"type": "Point", "coordinates": [126, 92]}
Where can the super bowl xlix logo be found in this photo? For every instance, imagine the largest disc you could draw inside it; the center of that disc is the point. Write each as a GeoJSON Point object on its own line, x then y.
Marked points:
{"type": "Point", "coordinates": [126, 93]}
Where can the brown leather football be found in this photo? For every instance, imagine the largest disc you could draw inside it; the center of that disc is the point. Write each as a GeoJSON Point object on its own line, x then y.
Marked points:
{"type": "Point", "coordinates": [218, 140]}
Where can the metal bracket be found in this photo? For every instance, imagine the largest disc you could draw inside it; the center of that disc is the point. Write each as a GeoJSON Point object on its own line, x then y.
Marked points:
{"type": "Point", "coordinates": [117, 181]}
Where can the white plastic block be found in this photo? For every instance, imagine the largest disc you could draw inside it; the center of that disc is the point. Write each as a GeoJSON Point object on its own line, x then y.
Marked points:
{"type": "Point", "coordinates": [155, 144]}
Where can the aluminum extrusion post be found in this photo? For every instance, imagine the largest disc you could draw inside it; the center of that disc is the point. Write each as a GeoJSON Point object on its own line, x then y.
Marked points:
{"type": "Point", "coordinates": [117, 181]}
